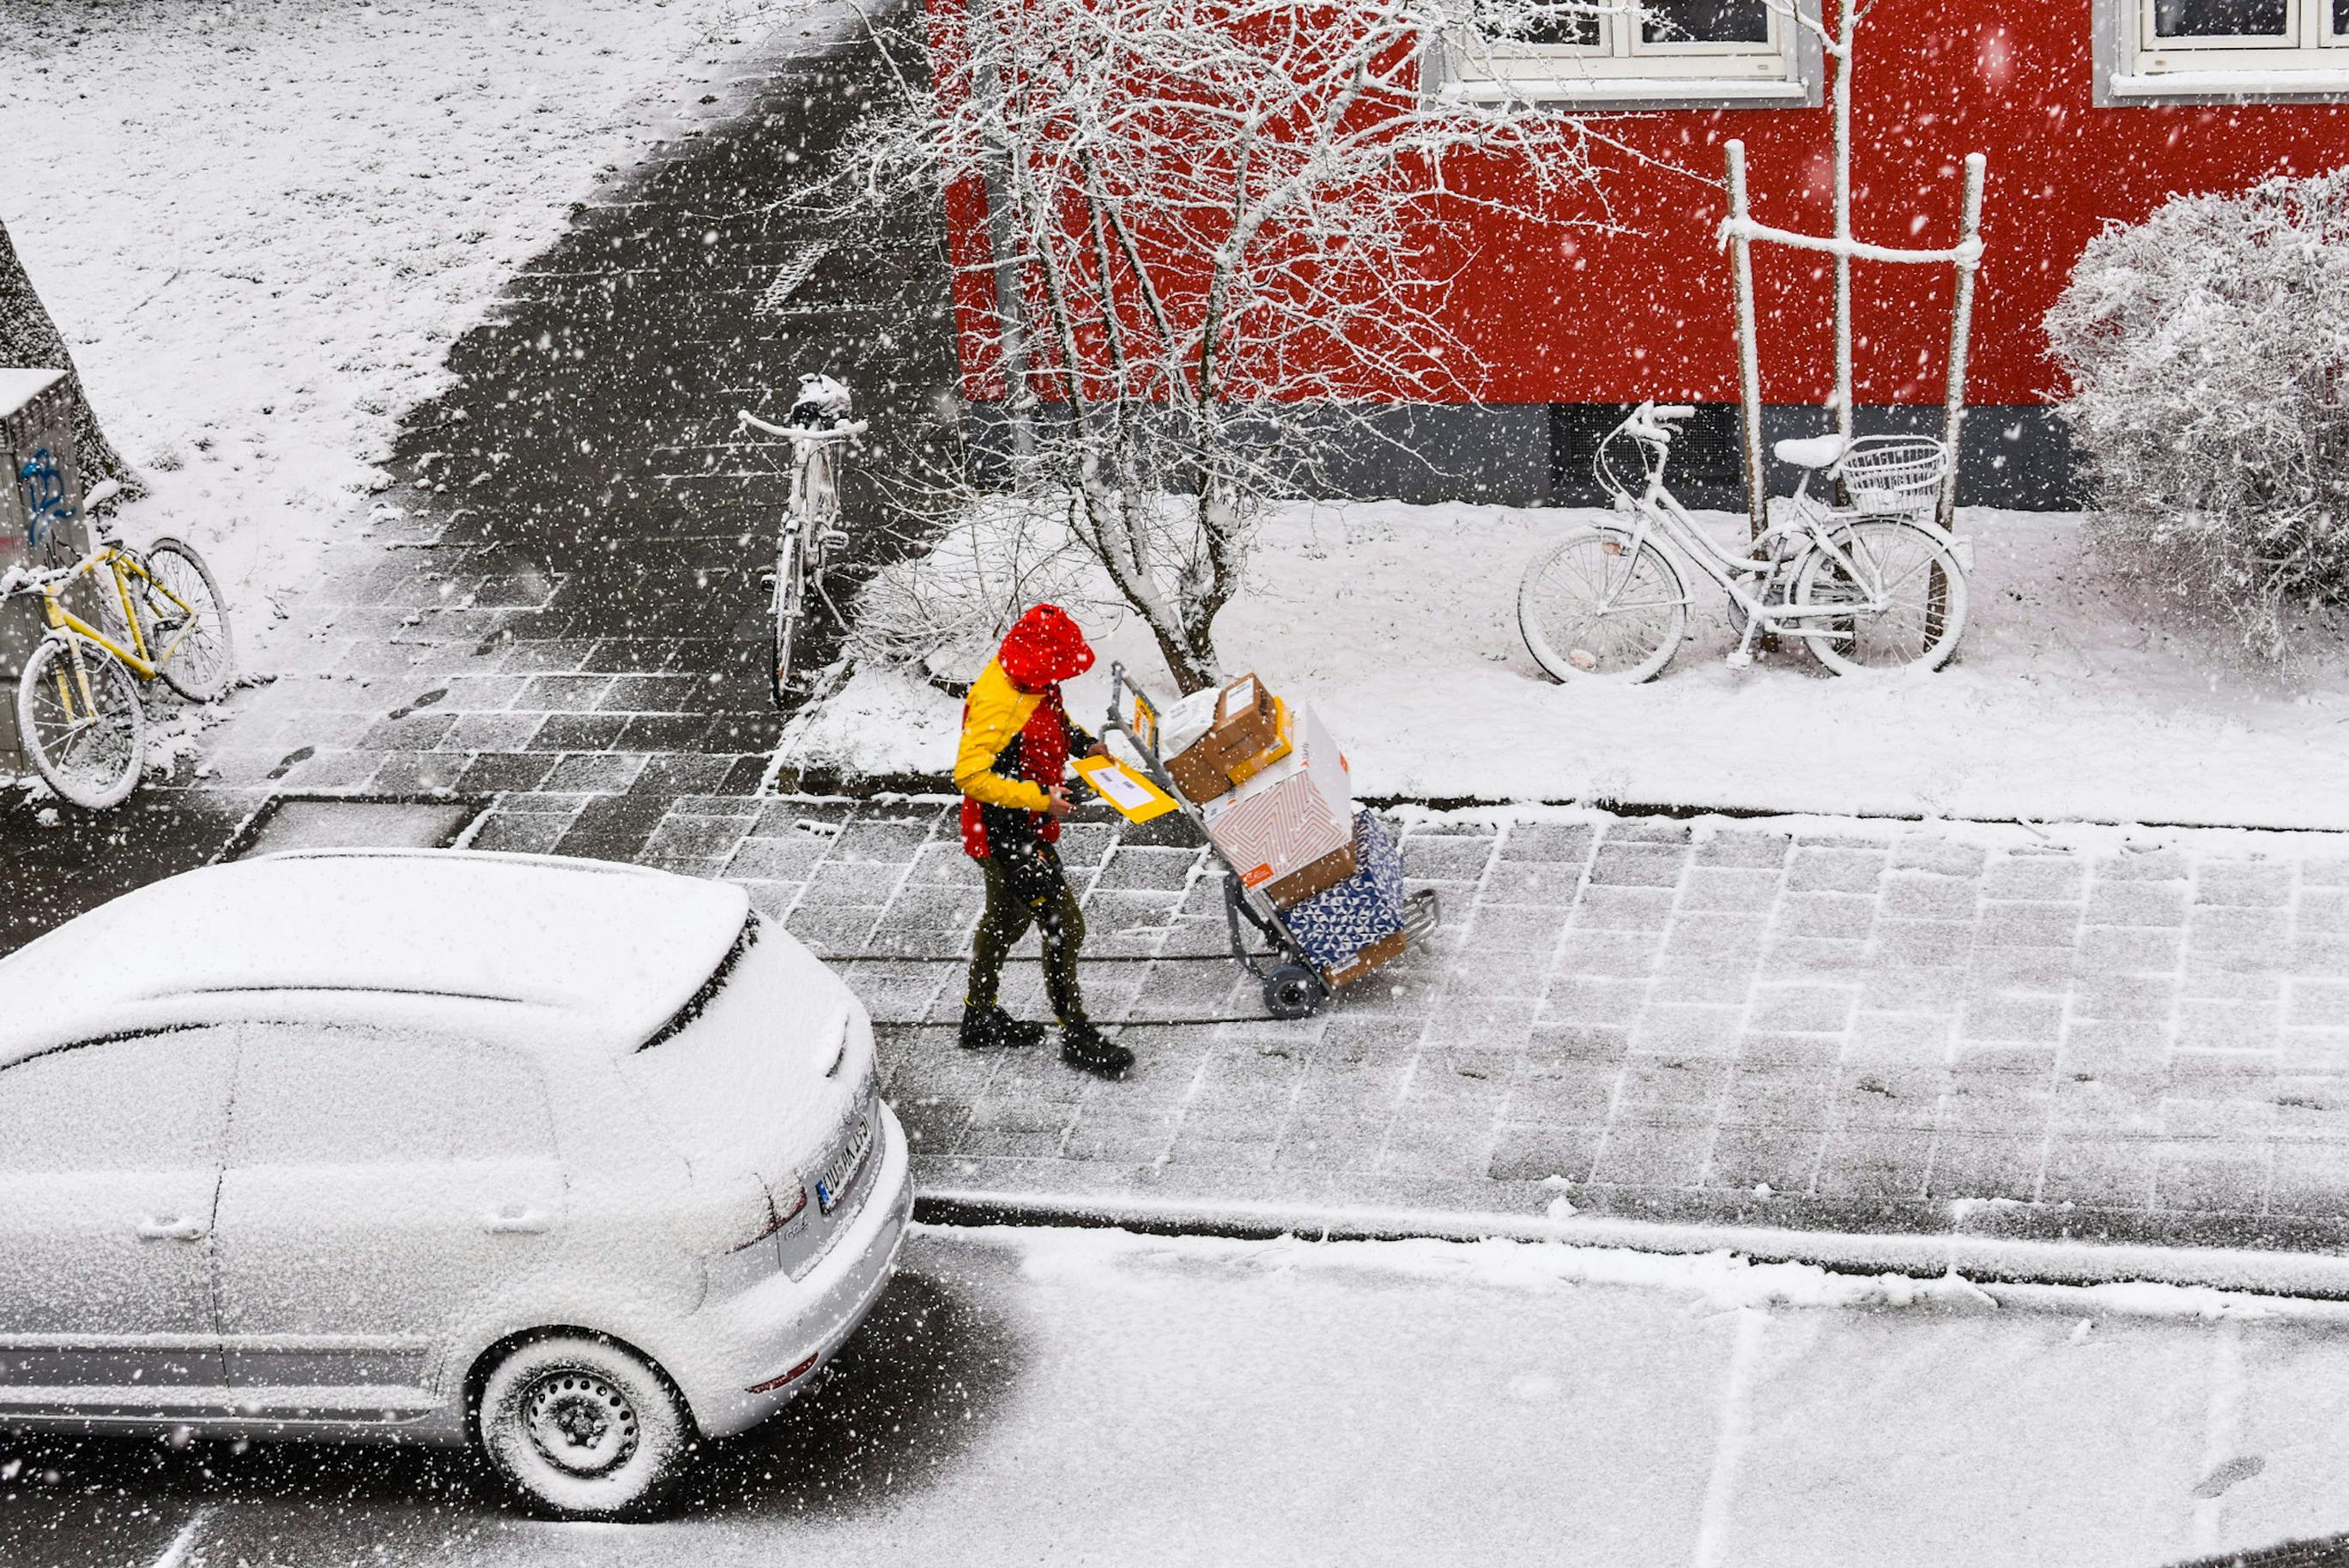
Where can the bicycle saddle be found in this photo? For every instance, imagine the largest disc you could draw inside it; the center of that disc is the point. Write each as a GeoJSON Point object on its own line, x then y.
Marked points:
{"type": "Point", "coordinates": [1809, 451]}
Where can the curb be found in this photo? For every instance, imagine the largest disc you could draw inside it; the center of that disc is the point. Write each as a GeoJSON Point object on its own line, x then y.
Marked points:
{"type": "Point", "coordinates": [2304, 1278]}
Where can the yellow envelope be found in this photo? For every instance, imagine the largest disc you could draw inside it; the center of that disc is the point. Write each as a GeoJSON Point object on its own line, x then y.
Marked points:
{"type": "Point", "coordinates": [1134, 797]}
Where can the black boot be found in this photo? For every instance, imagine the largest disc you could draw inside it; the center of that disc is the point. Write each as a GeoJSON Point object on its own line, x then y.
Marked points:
{"type": "Point", "coordinates": [990, 1029]}
{"type": "Point", "coordinates": [1086, 1048]}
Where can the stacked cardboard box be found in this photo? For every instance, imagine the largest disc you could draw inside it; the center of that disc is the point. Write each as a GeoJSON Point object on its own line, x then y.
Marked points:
{"type": "Point", "coordinates": [1290, 828]}
{"type": "Point", "coordinates": [1352, 927]}
{"type": "Point", "coordinates": [1250, 730]}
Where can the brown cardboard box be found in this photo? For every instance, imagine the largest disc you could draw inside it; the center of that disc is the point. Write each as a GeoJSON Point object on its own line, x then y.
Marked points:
{"type": "Point", "coordinates": [1317, 876]}
{"type": "Point", "coordinates": [1248, 728]}
{"type": "Point", "coordinates": [1385, 950]}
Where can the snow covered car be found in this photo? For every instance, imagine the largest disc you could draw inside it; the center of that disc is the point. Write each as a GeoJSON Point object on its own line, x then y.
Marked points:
{"type": "Point", "coordinates": [574, 1162]}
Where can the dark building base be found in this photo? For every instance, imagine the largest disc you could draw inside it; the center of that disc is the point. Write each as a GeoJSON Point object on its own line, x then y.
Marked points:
{"type": "Point", "coordinates": [1539, 454]}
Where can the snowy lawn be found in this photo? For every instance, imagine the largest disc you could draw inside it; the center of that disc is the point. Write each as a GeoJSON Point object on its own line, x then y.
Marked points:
{"type": "Point", "coordinates": [1399, 622]}
{"type": "Point", "coordinates": [261, 224]}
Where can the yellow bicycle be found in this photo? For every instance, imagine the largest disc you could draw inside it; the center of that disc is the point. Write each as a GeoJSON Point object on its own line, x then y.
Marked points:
{"type": "Point", "coordinates": [78, 714]}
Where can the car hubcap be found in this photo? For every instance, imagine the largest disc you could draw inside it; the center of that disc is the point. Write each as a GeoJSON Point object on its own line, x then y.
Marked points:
{"type": "Point", "coordinates": [580, 1423]}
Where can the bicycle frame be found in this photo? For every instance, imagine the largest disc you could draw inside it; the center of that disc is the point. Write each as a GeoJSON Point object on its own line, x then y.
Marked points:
{"type": "Point", "coordinates": [1657, 505]}
{"type": "Point", "coordinates": [142, 661]}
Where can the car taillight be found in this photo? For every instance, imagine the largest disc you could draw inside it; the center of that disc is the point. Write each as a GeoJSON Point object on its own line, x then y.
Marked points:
{"type": "Point", "coordinates": [781, 1211]}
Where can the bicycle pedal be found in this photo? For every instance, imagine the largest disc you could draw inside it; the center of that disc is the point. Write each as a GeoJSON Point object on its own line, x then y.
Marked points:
{"type": "Point", "coordinates": [1739, 659]}
{"type": "Point", "coordinates": [831, 538]}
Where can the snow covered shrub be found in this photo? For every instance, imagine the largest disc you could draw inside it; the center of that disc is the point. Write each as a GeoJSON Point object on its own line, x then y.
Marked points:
{"type": "Point", "coordinates": [940, 611]}
{"type": "Point", "coordinates": [2209, 353]}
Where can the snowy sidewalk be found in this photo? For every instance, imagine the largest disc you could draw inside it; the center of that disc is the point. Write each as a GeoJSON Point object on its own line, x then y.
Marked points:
{"type": "Point", "coordinates": [2104, 1034]}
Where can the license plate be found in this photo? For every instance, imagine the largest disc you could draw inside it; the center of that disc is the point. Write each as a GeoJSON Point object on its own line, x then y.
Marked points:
{"type": "Point", "coordinates": [833, 1184]}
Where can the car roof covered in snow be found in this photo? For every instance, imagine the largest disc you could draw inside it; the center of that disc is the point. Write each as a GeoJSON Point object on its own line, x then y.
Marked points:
{"type": "Point", "coordinates": [528, 950]}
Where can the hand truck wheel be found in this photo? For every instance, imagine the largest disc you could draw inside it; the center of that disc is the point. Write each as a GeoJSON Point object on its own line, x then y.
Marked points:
{"type": "Point", "coordinates": [1293, 990]}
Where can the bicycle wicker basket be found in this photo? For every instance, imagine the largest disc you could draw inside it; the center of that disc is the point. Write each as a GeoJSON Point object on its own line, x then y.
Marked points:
{"type": "Point", "coordinates": [1896, 475]}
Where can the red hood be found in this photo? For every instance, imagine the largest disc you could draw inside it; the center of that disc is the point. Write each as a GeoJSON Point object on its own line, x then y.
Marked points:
{"type": "Point", "coordinates": [1044, 648]}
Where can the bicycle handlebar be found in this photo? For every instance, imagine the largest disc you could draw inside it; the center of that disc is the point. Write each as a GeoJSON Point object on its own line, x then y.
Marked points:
{"type": "Point", "coordinates": [849, 431]}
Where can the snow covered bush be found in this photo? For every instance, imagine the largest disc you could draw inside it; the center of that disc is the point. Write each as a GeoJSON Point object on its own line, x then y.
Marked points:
{"type": "Point", "coordinates": [941, 609]}
{"type": "Point", "coordinates": [2209, 353]}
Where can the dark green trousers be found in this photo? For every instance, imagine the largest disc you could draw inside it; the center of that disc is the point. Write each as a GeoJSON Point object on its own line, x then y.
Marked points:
{"type": "Point", "coordinates": [1058, 921]}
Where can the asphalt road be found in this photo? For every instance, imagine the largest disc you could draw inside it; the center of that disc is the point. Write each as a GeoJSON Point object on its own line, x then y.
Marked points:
{"type": "Point", "coordinates": [1027, 1397]}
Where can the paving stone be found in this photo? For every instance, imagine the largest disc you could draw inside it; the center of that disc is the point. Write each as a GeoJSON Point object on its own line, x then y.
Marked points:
{"type": "Point", "coordinates": [1678, 1029]}
{"type": "Point", "coordinates": [1924, 943]}
{"type": "Point", "coordinates": [2024, 1017]}
{"type": "Point", "coordinates": [1693, 980]}
{"type": "Point", "coordinates": [1517, 929]}
{"type": "Point", "coordinates": [1930, 852]}
{"type": "Point", "coordinates": [2028, 926]}
{"type": "Point", "coordinates": [1580, 1097]}
{"type": "Point", "coordinates": [2137, 904]}
{"type": "Point", "coordinates": [1646, 1155]}
{"type": "Point", "coordinates": [1805, 1008]}
{"type": "Point", "coordinates": [1716, 936]}
{"type": "Point", "coordinates": [1537, 883]}
{"type": "Point", "coordinates": [1728, 888]}
{"type": "Point", "coordinates": [2250, 883]}
{"type": "Point", "coordinates": [2143, 865]}
{"type": "Point", "coordinates": [579, 732]}
{"type": "Point", "coordinates": [1670, 1090]}
{"type": "Point", "coordinates": [1985, 1166]}
{"type": "Point", "coordinates": [1164, 871]}
{"type": "Point", "coordinates": [1443, 857]}
{"type": "Point", "coordinates": [1849, 870]}
{"type": "Point", "coordinates": [1892, 1164]}
{"type": "Point", "coordinates": [1551, 843]}
{"type": "Point", "coordinates": [2130, 949]}
{"type": "Point", "coordinates": [2043, 877]}
{"type": "Point", "coordinates": [521, 833]}
{"type": "Point", "coordinates": [1611, 908]}
{"type": "Point", "coordinates": [1743, 848]}
{"type": "Point", "coordinates": [1537, 1151]}
{"type": "Point", "coordinates": [1636, 865]}
{"type": "Point", "coordinates": [1922, 895]}
{"type": "Point", "coordinates": [1825, 914]}
{"type": "Point", "coordinates": [609, 772]}
{"type": "Point", "coordinates": [2215, 1175]}
{"type": "Point", "coordinates": [1784, 1159]}
{"type": "Point", "coordinates": [2109, 1175]}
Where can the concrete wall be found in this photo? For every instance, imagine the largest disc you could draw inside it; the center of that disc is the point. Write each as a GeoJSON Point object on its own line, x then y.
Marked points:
{"type": "Point", "coordinates": [1539, 454]}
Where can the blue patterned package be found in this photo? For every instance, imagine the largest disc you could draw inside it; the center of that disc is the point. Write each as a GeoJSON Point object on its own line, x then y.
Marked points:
{"type": "Point", "coordinates": [1338, 924]}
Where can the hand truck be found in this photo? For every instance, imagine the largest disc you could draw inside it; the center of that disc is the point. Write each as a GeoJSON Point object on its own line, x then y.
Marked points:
{"type": "Point", "coordinates": [1295, 986]}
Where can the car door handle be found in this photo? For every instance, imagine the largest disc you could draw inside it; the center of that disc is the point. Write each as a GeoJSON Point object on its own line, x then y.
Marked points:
{"type": "Point", "coordinates": [171, 1230]}
{"type": "Point", "coordinates": [515, 1222]}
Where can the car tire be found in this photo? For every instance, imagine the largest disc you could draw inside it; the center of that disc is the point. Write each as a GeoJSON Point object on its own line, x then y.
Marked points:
{"type": "Point", "coordinates": [581, 1427]}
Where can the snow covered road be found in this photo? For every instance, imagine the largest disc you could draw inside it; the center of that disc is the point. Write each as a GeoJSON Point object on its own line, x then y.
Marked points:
{"type": "Point", "coordinates": [1030, 1396]}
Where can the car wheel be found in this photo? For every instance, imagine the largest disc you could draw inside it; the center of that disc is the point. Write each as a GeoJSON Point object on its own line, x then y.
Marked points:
{"type": "Point", "coordinates": [580, 1428]}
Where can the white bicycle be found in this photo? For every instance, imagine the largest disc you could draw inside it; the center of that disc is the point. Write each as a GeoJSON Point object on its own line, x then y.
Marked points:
{"type": "Point", "coordinates": [820, 431]}
{"type": "Point", "coordinates": [1869, 587]}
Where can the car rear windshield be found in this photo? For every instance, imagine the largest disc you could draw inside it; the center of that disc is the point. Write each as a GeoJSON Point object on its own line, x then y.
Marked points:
{"type": "Point", "coordinates": [699, 1003]}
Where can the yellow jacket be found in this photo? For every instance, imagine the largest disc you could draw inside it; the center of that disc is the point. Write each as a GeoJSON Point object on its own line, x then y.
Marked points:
{"type": "Point", "coordinates": [993, 713]}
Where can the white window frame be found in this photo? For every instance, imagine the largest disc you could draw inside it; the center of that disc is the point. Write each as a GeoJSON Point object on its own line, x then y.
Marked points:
{"type": "Point", "coordinates": [1623, 70]}
{"type": "Point", "coordinates": [2135, 66]}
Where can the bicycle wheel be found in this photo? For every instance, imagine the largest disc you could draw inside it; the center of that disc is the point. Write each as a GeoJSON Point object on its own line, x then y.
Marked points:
{"type": "Point", "coordinates": [1591, 613]}
{"type": "Point", "coordinates": [201, 654]}
{"type": "Point", "coordinates": [791, 595]}
{"type": "Point", "coordinates": [1911, 576]}
{"type": "Point", "coordinates": [87, 741]}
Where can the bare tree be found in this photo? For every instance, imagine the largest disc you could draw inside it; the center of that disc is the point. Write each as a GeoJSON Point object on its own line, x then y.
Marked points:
{"type": "Point", "coordinates": [1222, 234]}
{"type": "Point", "coordinates": [29, 337]}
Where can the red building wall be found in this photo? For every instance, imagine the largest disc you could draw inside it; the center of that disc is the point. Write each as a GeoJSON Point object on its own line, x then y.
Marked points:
{"type": "Point", "coordinates": [1620, 316]}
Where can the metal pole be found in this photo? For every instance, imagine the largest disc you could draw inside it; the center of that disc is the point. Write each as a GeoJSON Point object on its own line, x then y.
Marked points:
{"type": "Point", "coordinates": [1749, 365]}
{"type": "Point", "coordinates": [1962, 316]}
{"type": "Point", "coordinates": [1847, 27]}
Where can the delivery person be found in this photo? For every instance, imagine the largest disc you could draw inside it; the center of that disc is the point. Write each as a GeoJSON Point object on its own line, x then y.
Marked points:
{"type": "Point", "coordinates": [1016, 737]}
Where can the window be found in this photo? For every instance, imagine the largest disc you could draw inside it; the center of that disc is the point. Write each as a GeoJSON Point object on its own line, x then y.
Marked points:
{"type": "Point", "coordinates": [151, 1102]}
{"type": "Point", "coordinates": [310, 1095]}
{"type": "Point", "coordinates": [2171, 49]}
{"type": "Point", "coordinates": [1662, 53]}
